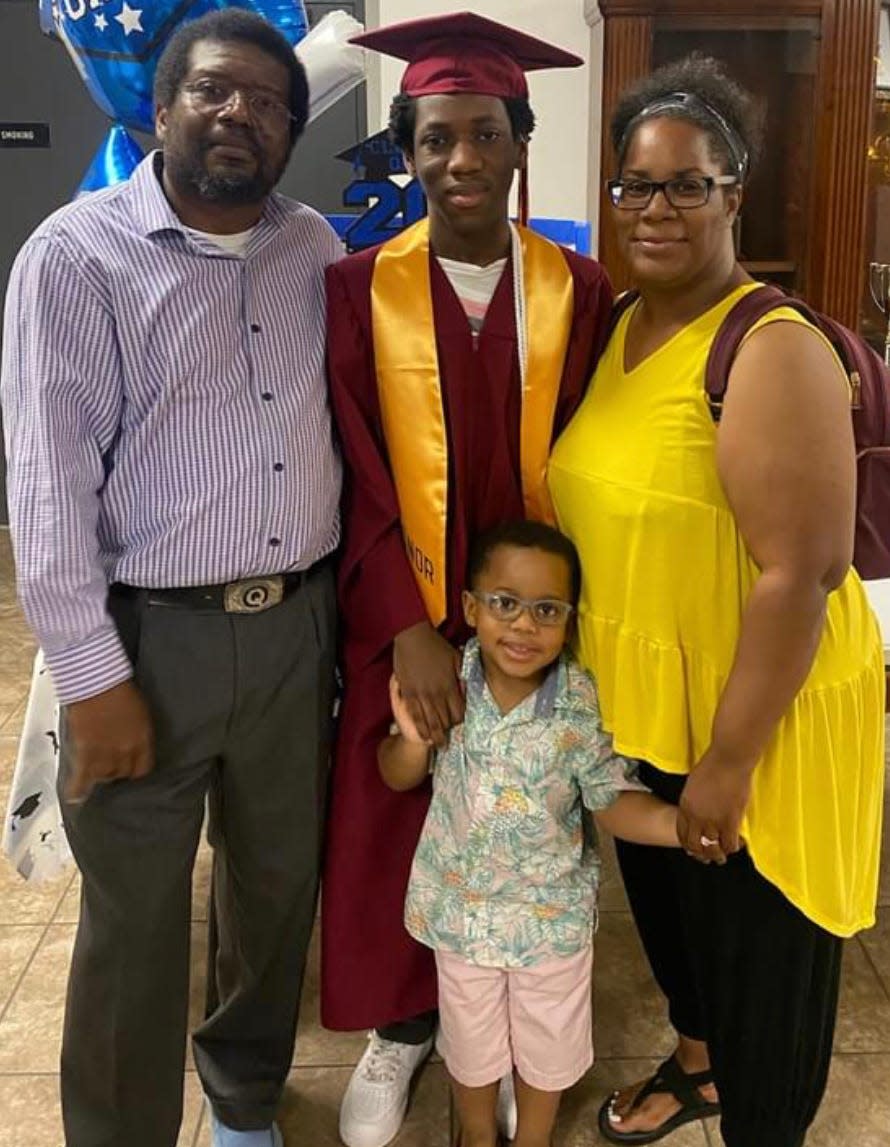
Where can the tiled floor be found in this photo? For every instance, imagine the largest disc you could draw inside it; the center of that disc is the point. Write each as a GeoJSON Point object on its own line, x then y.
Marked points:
{"type": "Point", "coordinates": [37, 929]}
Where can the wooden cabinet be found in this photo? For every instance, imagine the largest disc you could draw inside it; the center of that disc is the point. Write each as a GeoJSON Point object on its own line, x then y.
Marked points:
{"type": "Point", "coordinates": [805, 218]}
{"type": "Point", "coordinates": [877, 232]}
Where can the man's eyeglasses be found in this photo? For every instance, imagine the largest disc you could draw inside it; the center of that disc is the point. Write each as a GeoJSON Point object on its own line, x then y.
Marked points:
{"type": "Point", "coordinates": [213, 95]}
{"type": "Point", "coordinates": [544, 611]}
{"type": "Point", "coordinates": [685, 191]}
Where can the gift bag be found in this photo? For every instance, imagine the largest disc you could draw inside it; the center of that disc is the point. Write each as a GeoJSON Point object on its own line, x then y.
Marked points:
{"type": "Point", "coordinates": [33, 835]}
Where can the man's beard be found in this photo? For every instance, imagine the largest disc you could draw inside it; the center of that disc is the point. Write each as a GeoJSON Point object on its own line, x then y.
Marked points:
{"type": "Point", "coordinates": [233, 189]}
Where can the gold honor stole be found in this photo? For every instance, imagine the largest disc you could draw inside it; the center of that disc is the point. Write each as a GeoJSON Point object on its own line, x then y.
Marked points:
{"type": "Point", "coordinates": [410, 391]}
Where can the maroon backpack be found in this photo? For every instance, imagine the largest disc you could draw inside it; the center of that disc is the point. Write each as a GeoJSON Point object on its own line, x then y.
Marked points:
{"type": "Point", "coordinates": [870, 406]}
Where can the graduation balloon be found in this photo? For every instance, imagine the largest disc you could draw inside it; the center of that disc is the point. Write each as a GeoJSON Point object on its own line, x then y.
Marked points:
{"type": "Point", "coordinates": [117, 158]}
{"type": "Point", "coordinates": [116, 44]}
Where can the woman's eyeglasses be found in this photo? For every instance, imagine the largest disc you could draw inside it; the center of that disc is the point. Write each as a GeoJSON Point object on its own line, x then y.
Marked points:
{"type": "Point", "coordinates": [685, 191]}
{"type": "Point", "coordinates": [506, 607]}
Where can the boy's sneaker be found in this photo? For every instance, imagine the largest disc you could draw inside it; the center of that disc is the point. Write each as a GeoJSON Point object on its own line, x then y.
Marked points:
{"type": "Point", "coordinates": [505, 1111]}
{"type": "Point", "coordinates": [377, 1096]}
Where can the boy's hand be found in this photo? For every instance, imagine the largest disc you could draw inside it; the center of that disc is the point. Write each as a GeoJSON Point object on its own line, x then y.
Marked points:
{"type": "Point", "coordinates": [400, 711]}
{"type": "Point", "coordinates": [404, 760]}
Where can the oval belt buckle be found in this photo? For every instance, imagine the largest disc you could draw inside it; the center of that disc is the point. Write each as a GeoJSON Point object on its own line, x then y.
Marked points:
{"type": "Point", "coordinates": [253, 595]}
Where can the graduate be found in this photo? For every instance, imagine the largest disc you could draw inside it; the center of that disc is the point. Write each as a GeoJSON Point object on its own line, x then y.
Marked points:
{"type": "Point", "coordinates": [457, 352]}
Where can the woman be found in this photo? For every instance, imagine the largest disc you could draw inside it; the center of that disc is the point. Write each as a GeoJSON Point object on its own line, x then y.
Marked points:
{"type": "Point", "coordinates": [731, 641]}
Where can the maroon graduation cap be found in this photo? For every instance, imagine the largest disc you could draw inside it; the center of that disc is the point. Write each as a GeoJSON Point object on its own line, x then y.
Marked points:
{"type": "Point", "coordinates": [467, 54]}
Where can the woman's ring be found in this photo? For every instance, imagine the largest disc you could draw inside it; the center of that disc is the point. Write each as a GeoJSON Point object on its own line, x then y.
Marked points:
{"type": "Point", "coordinates": [706, 842]}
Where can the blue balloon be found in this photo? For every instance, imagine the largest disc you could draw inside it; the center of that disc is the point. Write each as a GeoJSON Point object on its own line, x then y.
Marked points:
{"type": "Point", "coordinates": [115, 161]}
{"type": "Point", "coordinates": [116, 43]}
{"type": "Point", "coordinates": [288, 16]}
{"type": "Point", "coordinates": [46, 18]}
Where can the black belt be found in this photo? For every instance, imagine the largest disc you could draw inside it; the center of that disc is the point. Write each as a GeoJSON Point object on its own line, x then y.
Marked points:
{"type": "Point", "coordinates": [250, 595]}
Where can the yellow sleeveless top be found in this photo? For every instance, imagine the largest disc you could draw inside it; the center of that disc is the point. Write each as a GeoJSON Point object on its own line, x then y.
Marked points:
{"type": "Point", "coordinates": [666, 575]}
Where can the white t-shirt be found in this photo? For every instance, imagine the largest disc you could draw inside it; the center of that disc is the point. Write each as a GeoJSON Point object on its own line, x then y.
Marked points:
{"type": "Point", "coordinates": [231, 244]}
{"type": "Point", "coordinates": [474, 286]}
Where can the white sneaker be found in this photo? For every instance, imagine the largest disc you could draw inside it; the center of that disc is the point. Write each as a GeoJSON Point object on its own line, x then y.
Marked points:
{"type": "Point", "coordinates": [505, 1112]}
{"type": "Point", "coordinates": [377, 1096]}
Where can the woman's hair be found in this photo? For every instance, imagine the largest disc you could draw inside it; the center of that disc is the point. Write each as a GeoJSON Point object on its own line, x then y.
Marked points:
{"type": "Point", "coordinates": [524, 535]}
{"type": "Point", "coordinates": [714, 91]}
{"type": "Point", "coordinates": [403, 119]}
{"type": "Point", "coordinates": [231, 26]}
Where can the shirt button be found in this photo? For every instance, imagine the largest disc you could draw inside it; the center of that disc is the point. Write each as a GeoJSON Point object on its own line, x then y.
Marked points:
{"type": "Point", "coordinates": [274, 541]}
{"type": "Point", "coordinates": [267, 396]}
{"type": "Point", "coordinates": [278, 467]}
{"type": "Point", "coordinates": [255, 327]}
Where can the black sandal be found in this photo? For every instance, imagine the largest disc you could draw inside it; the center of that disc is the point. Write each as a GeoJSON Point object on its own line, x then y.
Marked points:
{"type": "Point", "coordinates": [669, 1077]}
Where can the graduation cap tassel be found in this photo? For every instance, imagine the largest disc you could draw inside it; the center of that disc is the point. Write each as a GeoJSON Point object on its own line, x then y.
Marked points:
{"type": "Point", "coordinates": [523, 196]}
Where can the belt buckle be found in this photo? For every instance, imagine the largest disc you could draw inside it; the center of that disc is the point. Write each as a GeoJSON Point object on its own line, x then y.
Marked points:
{"type": "Point", "coordinates": [253, 595]}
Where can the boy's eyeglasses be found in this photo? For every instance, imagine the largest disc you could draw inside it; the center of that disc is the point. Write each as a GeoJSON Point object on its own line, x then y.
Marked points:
{"type": "Point", "coordinates": [544, 611]}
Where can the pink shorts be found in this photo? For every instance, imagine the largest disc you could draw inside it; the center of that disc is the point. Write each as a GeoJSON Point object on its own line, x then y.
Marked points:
{"type": "Point", "coordinates": [538, 1019]}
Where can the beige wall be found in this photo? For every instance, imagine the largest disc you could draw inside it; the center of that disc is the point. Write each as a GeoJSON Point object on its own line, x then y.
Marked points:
{"type": "Point", "coordinates": [564, 166]}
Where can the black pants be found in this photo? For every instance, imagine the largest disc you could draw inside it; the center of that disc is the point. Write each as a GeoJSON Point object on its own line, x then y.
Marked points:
{"type": "Point", "coordinates": [416, 1030]}
{"type": "Point", "coordinates": [241, 709]}
{"type": "Point", "coordinates": [744, 970]}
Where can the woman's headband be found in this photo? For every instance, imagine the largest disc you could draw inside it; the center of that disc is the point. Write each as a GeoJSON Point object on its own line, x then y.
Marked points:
{"type": "Point", "coordinates": [688, 102]}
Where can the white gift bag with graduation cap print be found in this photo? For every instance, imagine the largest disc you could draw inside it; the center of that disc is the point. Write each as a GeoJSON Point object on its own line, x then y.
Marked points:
{"type": "Point", "coordinates": [33, 835]}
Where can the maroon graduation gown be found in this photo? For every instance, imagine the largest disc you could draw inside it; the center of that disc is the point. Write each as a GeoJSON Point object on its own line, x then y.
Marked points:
{"type": "Point", "coordinates": [373, 972]}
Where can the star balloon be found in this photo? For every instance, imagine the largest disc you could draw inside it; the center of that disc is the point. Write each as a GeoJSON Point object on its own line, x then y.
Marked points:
{"type": "Point", "coordinates": [116, 44]}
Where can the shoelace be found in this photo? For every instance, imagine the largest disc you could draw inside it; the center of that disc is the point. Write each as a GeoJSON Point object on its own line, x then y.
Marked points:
{"type": "Point", "coordinates": [383, 1062]}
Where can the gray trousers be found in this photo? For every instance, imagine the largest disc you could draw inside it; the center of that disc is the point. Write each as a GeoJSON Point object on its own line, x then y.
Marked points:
{"type": "Point", "coordinates": [242, 708]}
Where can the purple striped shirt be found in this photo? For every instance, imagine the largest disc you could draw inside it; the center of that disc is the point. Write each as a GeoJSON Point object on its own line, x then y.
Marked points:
{"type": "Point", "coordinates": [166, 412]}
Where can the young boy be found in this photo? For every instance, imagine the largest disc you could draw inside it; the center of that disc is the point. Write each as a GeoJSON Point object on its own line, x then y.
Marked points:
{"type": "Point", "coordinates": [503, 885]}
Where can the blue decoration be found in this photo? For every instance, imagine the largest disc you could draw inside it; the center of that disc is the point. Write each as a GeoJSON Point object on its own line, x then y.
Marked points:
{"type": "Point", "coordinates": [115, 161]}
{"type": "Point", "coordinates": [288, 16]}
{"type": "Point", "coordinates": [376, 157]}
{"type": "Point", "coordinates": [390, 210]}
{"type": "Point", "coordinates": [391, 205]}
{"type": "Point", "coordinates": [116, 43]}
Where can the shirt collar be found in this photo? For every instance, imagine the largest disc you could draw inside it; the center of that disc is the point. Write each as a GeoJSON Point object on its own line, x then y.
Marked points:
{"type": "Point", "coordinates": [154, 213]}
{"type": "Point", "coordinates": [550, 694]}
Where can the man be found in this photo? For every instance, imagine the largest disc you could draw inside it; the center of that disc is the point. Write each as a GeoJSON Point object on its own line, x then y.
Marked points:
{"type": "Point", "coordinates": [174, 490]}
{"type": "Point", "coordinates": [456, 353]}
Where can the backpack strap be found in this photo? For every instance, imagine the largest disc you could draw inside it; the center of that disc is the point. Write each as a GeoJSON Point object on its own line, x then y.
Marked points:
{"type": "Point", "coordinates": [750, 308]}
{"type": "Point", "coordinates": [622, 304]}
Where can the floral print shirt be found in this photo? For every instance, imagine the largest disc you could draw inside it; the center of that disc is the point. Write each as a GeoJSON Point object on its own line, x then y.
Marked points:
{"type": "Point", "coordinates": [506, 872]}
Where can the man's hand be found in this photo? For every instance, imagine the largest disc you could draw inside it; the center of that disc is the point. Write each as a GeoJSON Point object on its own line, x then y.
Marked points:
{"type": "Point", "coordinates": [712, 806]}
{"type": "Point", "coordinates": [111, 739]}
{"type": "Point", "coordinates": [428, 671]}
